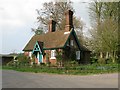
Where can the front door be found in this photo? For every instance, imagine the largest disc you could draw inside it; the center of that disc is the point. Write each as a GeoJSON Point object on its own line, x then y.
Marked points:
{"type": "Point", "coordinates": [40, 58]}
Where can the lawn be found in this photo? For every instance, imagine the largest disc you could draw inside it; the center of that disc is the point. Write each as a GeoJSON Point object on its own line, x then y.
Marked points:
{"type": "Point", "coordinates": [74, 70]}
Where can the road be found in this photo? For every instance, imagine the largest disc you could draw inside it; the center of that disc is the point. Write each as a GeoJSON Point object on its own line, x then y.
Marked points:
{"type": "Point", "coordinates": [14, 79]}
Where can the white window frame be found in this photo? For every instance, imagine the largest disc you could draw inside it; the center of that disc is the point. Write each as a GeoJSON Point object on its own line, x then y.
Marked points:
{"type": "Point", "coordinates": [78, 55]}
{"type": "Point", "coordinates": [71, 42]}
{"type": "Point", "coordinates": [53, 54]}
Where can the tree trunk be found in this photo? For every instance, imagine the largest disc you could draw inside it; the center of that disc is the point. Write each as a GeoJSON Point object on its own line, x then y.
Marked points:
{"type": "Point", "coordinates": [101, 55]}
{"type": "Point", "coordinates": [112, 57]}
{"type": "Point", "coordinates": [107, 55]}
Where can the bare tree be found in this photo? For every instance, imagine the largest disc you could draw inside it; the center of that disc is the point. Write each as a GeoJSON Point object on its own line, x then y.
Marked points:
{"type": "Point", "coordinates": [56, 11]}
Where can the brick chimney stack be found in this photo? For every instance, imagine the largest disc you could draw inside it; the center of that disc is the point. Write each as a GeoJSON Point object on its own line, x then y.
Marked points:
{"type": "Point", "coordinates": [52, 26]}
{"type": "Point", "coordinates": [69, 20]}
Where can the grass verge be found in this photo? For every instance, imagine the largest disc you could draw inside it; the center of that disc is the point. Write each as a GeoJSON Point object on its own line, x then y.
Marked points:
{"type": "Point", "coordinates": [76, 70]}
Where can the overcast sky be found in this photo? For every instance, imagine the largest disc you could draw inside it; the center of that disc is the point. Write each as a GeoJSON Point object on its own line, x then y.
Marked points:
{"type": "Point", "coordinates": [17, 17]}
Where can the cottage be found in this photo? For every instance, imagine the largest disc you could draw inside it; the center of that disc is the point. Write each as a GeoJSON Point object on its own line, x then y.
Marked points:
{"type": "Point", "coordinates": [46, 46]}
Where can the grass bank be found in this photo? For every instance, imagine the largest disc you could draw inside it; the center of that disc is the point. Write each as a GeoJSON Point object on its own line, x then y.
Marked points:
{"type": "Point", "coordinates": [75, 70]}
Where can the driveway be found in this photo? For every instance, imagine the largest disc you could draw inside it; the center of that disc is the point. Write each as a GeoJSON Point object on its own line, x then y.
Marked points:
{"type": "Point", "coordinates": [14, 79]}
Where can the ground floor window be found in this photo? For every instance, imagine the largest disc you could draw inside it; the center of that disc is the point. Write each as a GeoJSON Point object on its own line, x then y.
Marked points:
{"type": "Point", "coordinates": [78, 55]}
{"type": "Point", "coordinates": [53, 54]}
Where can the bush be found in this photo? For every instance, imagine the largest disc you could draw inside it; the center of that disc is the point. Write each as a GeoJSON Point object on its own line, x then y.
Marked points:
{"type": "Point", "coordinates": [20, 61]}
{"type": "Point", "coordinates": [93, 60]}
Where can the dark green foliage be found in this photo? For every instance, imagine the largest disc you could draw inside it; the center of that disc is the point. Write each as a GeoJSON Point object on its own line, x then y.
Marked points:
{"type": "Point", "coordinates": [94, 60]}
{"type": "Point", "coordinates": [47, 59]}
{"type": "Point", "coordinates": [69, 53]}
{"type": "Point", "coordinates": [72, 55]}
{"type": "Point", "coordinates": [59, 55]}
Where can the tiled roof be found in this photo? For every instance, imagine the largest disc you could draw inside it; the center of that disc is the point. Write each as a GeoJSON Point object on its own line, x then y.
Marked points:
{"type": "Point", "coordinates": [50, 40]}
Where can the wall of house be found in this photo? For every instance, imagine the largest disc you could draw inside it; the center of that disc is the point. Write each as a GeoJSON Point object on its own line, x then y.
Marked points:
{"type": "Point", "coordinates": [53, 61]}
{"type": "Point", "coordinates": [71, 48]}
{"type": "Point", "coordinates": [85, 57]}
{"type": "Point", "coordinates": [29, 54]}
{"type": "Point", "coordinates": [44, 59]}
{"type": "Point", "coordinates": [47, 57]}
{"type": "Point", "coordinates": [26, 53]}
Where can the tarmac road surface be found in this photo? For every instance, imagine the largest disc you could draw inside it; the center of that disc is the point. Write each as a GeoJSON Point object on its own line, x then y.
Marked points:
{"type": "Point", "coordinates": [15, 79]}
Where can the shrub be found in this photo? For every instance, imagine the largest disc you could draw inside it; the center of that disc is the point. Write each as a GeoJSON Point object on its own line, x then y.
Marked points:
{"type": "Point", "coordinates": [23, 60]}
{"type": "Point", "coordinates": [93, 60]}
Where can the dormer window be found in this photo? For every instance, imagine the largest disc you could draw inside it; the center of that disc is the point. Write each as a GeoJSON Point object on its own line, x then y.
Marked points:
{"type": "Point", "coordinates": [71, 42]}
